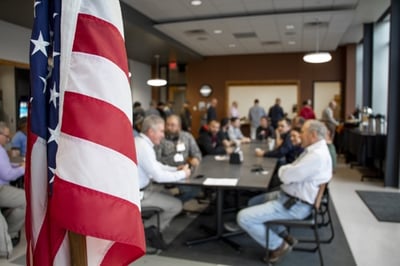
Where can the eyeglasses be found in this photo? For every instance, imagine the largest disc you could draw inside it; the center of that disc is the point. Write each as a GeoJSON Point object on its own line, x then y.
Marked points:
{"type": "Point", "coordinates": [7, 136]}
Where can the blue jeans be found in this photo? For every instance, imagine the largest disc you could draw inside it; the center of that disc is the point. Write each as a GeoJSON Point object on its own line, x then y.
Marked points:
{"type": "Point", "coordinates": [252, 219]}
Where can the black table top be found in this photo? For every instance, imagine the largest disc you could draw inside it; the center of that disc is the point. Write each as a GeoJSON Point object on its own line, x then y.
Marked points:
{"type": "Point", "coordinates": [245, 172]}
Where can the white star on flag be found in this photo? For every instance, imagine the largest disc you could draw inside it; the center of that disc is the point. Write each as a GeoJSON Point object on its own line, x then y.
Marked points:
{"type": "Point", "coordinates": [54, 134]}
{"type": "Point", "coordinates": [53, 95]}
{"type": "Point", "coordinates": [40, 45]}
{"type": "Point", "coordinates": [44, 83]}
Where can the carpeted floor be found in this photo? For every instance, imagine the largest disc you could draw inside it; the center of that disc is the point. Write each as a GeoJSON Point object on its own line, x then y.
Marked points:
{"type": "Point", "coordinates": [218, 252]}
{"type": "Point", "coordinates": [384, 205]}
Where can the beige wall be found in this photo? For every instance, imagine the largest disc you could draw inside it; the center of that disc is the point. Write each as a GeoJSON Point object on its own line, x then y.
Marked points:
{"type": "Point", "coordinates": [7, 86]}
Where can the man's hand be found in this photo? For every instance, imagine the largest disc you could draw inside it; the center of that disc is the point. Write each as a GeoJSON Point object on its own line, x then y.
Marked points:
{"type": "Point", "coordinates": [186, 169]}
{"type": "Point", "coordinates": [259, 152]}
{"type": "Point", "coordinates": [229, 150]}
{"type": "Point", "coordinates": [245, 140]}
{"type": "Point", "coordinates": [194, 161]}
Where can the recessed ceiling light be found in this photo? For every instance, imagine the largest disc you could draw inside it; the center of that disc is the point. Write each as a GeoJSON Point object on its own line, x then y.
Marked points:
{"type": "Point", "coordinates": [195, 2]}
{"type": "Point", "coordinates": [217, 31]}
{"type": "Point", "coordinates": [291, 42]}
{"type": "Point", "coordinates": [232, 45]}
{"type": "Point", "coordinates": [290, 27]}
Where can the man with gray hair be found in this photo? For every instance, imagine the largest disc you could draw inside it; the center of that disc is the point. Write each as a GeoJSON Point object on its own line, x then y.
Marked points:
{"type": "Point", "coordinates": [11, 198]}
{"type": "Point", "coordinates": [329, 119]}
{"type": "Point", "coordinates": [150, 169]}
{"type": "Point", "coordinates": [301, 180]}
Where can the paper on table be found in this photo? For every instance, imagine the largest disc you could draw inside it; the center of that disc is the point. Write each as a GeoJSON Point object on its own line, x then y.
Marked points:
{"type": "Point", "coordinates": [220, 182]}
{"type": "Point", "coordinates": [221, 157]}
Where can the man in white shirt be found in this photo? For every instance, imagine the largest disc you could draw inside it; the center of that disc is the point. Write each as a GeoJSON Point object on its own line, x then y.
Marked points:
{"type": "Point", "coordinates": [152, 170]}
{"type": "Point", "coordinates": [301, 180]}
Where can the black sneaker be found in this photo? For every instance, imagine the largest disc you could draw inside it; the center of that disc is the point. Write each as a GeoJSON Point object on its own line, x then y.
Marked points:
{"type": "Point", "coordinates": [155, 238]}
{"type": "Point", "coordinates": [15, 241]}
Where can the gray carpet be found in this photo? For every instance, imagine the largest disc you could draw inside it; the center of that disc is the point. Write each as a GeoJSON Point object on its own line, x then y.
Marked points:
{"type": "Point", "coordinates": [218, 252]}
{"type": "Point", "coordinates": [384, 205]}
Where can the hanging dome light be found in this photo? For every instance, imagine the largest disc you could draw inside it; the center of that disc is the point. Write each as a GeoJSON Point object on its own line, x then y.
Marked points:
{"type": "Point", "coordinates": [317, 57]}
{"type": "Point", "coordinates": [157, 82]}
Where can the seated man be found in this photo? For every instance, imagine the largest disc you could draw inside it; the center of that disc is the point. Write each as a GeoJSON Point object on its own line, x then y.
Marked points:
{"type": "Point", "coordinates": [234, 132]}
{"type": "Point", "coordinates": [11, 198]}
{"type": "Point", "coordinates": [210, 142]}
{"type": "Point", "coordinates": [264, 130]}
{"type": "Point", "coordinates": [301, 180]}
{"type": "Point", "coordinates": [177, 149]}
{"type": "Point", "coordinates": [19, 139]}
{"type": "Point", "coordinates": [150, 169]}
{"type": "Point", "coordinates": [284, 146]}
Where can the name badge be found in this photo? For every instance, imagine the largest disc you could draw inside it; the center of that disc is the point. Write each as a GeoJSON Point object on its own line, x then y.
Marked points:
{"type": "Point", "coordinates": [180, 147]}
{"type": "Point", "coordinates": [178, 157]}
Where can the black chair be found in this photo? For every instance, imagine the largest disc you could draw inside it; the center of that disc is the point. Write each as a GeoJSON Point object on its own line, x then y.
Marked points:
{"type": "Point", "coordinates": [310, 222]}
{"type": "Point", "coordinates": [325, 218]}
{"type": "Point", "coordinates": [147, 213]}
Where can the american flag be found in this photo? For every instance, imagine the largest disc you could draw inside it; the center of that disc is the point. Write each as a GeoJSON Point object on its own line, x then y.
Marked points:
{"type": "Point", "coordinates": [81, 163]}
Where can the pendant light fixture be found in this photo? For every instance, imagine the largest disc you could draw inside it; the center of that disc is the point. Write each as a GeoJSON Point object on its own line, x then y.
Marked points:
{"type": "Point", "coordinates": [317, 57]}
{"type": "Point", "coordinates": [157, 81]}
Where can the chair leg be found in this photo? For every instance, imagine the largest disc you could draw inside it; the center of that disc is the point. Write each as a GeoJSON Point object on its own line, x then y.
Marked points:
{"type": "Point", "coordinates": [330, 224]}
{"type": "Point", "coordinates": [267, 241]}
{"type": "Point", "coordinates": [315, 229]}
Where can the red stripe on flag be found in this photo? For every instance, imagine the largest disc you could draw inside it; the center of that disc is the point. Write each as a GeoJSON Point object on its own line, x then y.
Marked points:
{"type": "Point", "coordinates": [118, 251]}
{"type": "Point", "coordinates": [97, 36]}
{"type": "Point", "coordinates": [98, 121]}
{"type": "Point", "coordinates": [49, 238]}
{"type": "Point", "coordinates": [100, 215]}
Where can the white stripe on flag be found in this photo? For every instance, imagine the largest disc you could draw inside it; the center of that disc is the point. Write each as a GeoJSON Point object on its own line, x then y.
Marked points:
{"type": "Point", "coordinates": [93, 166]}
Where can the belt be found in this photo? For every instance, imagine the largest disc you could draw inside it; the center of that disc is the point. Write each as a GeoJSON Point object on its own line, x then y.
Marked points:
{"type": "Point", "coordinates": [295, 198]}
{"type": "Point", "coordinates": [145, 187]}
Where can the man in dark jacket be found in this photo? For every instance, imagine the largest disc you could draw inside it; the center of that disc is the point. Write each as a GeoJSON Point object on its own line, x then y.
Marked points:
{"type": "Point", "coordinates": [210, 142]}
{"type": "Point", "coordinates": [276, 113]}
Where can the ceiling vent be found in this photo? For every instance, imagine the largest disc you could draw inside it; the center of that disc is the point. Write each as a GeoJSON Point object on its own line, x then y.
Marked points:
{"type": "Point", "coordinates": [195, 32]}
{"type": "Point", "coordinates": [243, 35]}
{"type": "Point", "coordinates": [320, 24]}
{"type": "Point", "coordinates": [271, 43]}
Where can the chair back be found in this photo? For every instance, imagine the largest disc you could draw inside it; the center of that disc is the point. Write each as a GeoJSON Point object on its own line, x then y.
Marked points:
{"type": "Point", "coordinates": [320, 194]}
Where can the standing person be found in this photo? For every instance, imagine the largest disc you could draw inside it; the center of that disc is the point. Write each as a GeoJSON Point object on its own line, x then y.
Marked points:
{"type": "Point", "coordinates": [255, 114]}
{"type": "Point", "coordinates": [329, 119]}
{"type": "Point", "coordinates": [186, 117]}
{"type": "Point", "coordinates": [306, 111]}
{"type": "Point", "coordinates": [152, 109]}
{"type": "Point", "coordinates": [301, 180]}
{"type": "Point", "coordinates": [150, 169]}
{"type": "Point", "coordinates": [19, 139]}
{"type": "Point", "coordinates": [11, 198]}
{"type": "Point", "coordinates": [177, 149]}
{"type": "Point", "coordinates": [212, 110]}
{"type": "Point", "coordinates": [234, 112]}
{"type": "Point", "coordinates": [276, 113]}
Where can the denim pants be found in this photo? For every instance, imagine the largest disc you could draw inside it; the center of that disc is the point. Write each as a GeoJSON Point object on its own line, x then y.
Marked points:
{"type": "Point", "coordinates": [252, 219]}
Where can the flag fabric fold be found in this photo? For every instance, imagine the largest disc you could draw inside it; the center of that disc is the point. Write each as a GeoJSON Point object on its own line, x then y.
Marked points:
{"type": "Point", "coordinates": [81, 162]}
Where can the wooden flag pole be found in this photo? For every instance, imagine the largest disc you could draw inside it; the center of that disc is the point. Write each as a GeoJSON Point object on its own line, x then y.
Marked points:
{"type": "Point", "coordinates": [77, 245]}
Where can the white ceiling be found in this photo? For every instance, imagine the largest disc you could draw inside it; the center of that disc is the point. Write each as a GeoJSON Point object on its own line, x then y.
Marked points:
{"type": "Point", "coordinates": [158, 26]}
{"type": "Point", "coordinates": [264, 22]}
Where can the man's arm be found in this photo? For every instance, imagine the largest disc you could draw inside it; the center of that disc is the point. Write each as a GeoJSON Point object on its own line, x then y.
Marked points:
{"type": "Point", "coordinates": [7, 171]}
{"type": "Point", "coordinates": [282, 150]}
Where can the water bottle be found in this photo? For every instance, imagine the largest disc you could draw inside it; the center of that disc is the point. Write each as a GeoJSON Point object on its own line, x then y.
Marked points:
{"type": "Point", "coordinates": [371, 124]}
